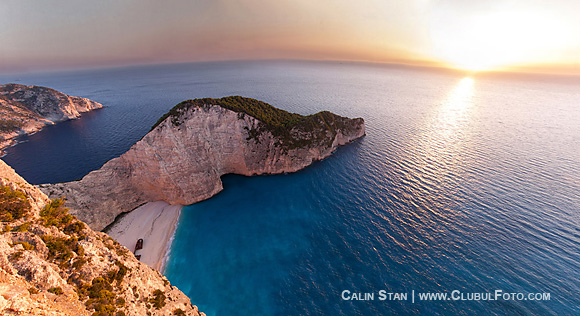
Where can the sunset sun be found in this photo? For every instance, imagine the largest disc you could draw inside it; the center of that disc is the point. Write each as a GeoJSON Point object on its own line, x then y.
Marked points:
{"type": "Point", "coordinates": [495, 40]}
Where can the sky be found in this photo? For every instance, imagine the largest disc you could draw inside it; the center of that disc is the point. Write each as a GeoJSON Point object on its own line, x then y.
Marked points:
{"type": "Point", "coordinates": [472, 35]}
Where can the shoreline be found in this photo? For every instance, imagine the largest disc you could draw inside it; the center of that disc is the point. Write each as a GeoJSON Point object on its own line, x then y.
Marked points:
{"type": "Point", "coordinates": [155, 223]}
{"type": "Point", "coordinates": [167, 252]}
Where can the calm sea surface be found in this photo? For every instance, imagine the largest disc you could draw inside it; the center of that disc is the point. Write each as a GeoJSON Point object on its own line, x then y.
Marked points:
{"type": "Point", "coordinates": [462, 183]}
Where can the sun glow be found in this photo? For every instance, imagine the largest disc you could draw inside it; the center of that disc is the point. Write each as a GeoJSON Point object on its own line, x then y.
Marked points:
{"type": "Point", "coordinates": [496, 40]}
{"type": "Point", "coordinates": [453, 113]}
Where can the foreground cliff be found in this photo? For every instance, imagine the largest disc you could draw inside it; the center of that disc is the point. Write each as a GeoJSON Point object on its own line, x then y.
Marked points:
{"type": "Point", "coordinates": [27, 109]}
{"type": "Point", "coordinates": [53, 264]}
{"type": "Point", "coordinates": [183, 157]}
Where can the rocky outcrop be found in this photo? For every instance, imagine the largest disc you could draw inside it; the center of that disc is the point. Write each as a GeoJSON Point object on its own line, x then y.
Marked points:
{"type": "Point", "coordinates": [27, 109]}
{"type": "Point", "coordinates": [183, 157]}
{"type": "Point", "coordinates": [52, 264]}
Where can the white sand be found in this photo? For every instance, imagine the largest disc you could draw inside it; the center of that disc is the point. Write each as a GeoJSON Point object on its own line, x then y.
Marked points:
{"type": "Point", "coordinates": [155, 222]}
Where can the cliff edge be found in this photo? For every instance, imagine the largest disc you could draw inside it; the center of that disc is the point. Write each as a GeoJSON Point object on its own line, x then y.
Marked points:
{"type": "Point", "coordinates": [27, 109]}
{"type": "Point", "coordinates": [181, 160]}
{"type": "Point", "coordinates": [53, 264]}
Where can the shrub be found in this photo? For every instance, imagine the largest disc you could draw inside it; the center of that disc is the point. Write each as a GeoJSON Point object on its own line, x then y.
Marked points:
{"type": "Point", "coordinates": [120, 302]}
{"type": "Point", "coordinates": [103, 310]}
{"type": "Point", "coordinates": [74, 228]}
{"type": "Point", "coordinates": [24, 244]}
{"type": "Point", "coordinates": [17, 255]}
{"type": "Point", "coordinates": [101, 296]}
{"type": "Point", "coordinates": [179, 312]}
{"type": "Point", "coordinates": [55, 290]}
{"type": "Point", "coordinates": [121, 272]}
{"type": "Point", "coordinates": [122, 252]}
{"type": "Point", "coordinates": [59, 248]}
{"type": "Point", "coordinates": [22, 228]}
{"type": "Point", "coordinates": [117, 275]}
{"type": "Point", "coordinates": [79, 263]}
{"type": "Point", "coordinates": [67, 219]}
{"type": "Point", "coordinates": [13, 204]}
{"type": "Point", "coordinates": [99, 288]}
{"type": "Point", "coordinates": [33, 290]}
{"type": "Point", "coordinates": [158, 299]}
{"type": "Point", "coordinates": [55, 214]}
{"type": "Point", "coordinates": [78, 249]}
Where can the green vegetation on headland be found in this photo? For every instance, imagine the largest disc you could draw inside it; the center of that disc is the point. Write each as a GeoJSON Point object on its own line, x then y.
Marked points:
{"type": "Point", "coordinates": [289, 128]}
{"type": "Point", "coordinates": [263, 111]}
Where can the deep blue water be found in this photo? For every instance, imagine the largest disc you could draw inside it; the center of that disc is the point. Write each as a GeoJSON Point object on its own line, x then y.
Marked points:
{"type": "Point", "coordinates": [467, 184]}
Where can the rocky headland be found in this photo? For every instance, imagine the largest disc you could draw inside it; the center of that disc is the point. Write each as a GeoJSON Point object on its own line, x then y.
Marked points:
{"type": "Point", "coordinates": [53, 264]}
{"type": "Point", "coordinates": [27, 109]}
{"type": "Point", "coordinates": [181, 160]}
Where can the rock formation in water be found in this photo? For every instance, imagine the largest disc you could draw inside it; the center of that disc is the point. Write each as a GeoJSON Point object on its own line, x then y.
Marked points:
{"type": "Point", "coordinates": [53, 264]}
{"type": "Point", "coordinates": [27, 109]}
{"type": "Point", "coordinates": [182, 158]}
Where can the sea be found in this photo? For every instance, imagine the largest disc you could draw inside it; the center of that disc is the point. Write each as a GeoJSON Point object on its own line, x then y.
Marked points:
{"type": "Point", "coordinates": [463, 198]}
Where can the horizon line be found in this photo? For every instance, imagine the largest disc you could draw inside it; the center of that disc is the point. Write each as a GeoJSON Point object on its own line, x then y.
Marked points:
{"type": "Point", "coordinates": [543, 71]}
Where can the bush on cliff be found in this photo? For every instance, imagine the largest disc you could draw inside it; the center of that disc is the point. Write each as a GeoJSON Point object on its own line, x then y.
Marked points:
{"type": "Point", "coordinates": [56, 290]}
{"type": "Point", "coordinates": [13, 204]}
{"type": "Point", "coordinates": [101, 297]}
{"type": "Point", "coordinates": [55, 214]}
{"type": "Point", "coordinates": [158, 299]}
{"type": "Point", "coordinates": [25, 245]}
{"type": "Point", "coordinates": [59, 249]}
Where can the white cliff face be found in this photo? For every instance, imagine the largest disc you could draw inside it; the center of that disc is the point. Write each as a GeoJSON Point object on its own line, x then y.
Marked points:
{"type": "Point", "coordinates": [46, 269]}
{"type": "Point", "coordinates": [27, 109]}
{"type": "Point", "coordinates": [182, 159]}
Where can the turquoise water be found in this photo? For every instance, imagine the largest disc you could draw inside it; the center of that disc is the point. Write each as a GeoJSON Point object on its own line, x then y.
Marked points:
{"type": "Point", "coordinates": [466, 184]}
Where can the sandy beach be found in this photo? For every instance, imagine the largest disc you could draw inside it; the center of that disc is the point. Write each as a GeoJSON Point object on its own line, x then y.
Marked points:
{"type": "Point", "coordinates": [155, 222]}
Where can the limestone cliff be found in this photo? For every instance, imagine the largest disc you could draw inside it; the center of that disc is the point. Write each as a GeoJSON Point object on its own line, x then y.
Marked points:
{"type": "Point", "coordinates": [181, 160]}
{"type": "Point", "coordinates": [52, 264]}
{"type": "Point", "coordinates": [27, 109]}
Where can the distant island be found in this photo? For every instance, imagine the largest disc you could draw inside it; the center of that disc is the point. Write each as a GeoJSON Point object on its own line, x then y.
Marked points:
{"type": "Point", "coordinates": [27, 109]}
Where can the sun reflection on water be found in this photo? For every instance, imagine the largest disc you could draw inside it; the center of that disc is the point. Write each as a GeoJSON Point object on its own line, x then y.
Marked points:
{"type": "Point", "coordinates": [449, 132]}
{"type": "Point", "coordinates": [455, 108]}
{"type": "Point", "coordinates": [436, 167]}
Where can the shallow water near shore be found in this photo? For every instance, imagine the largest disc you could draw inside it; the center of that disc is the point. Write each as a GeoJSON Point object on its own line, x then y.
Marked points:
{"type": "Point", "coordinates": [462, 183]}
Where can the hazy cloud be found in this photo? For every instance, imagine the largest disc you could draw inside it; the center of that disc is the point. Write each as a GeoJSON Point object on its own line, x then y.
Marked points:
{"type": "Point", "coordinates": [58, 33]}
